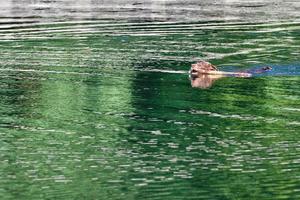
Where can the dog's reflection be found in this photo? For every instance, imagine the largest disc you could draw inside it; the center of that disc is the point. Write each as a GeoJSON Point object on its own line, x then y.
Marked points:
{"type": "Point", "coordinates": [204, 81]}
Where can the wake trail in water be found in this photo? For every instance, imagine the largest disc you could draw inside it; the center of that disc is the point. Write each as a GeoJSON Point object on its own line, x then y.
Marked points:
{"type": "Point", "coordinates": [291, 70]}
{"type": "Point", "coordinates": [83, 73]}
{"type": "Point", "coordinates": [275, 71]}
{"type": "Point", "coordinates": [283, 70]}
{"type": "Point", "coordinates": [166, 71]}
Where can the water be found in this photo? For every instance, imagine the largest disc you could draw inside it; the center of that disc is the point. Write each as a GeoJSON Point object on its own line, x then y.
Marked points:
{"type": "Point", "coordinates": [95, 102]}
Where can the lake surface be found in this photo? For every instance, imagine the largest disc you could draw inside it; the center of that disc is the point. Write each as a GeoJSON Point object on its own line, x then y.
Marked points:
{"type": "Point", "coordinates": [95, 102]}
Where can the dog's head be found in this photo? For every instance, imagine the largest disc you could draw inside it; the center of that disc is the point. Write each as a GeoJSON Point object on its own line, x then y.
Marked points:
{"type": "Point", "coordinates": [202, 67]}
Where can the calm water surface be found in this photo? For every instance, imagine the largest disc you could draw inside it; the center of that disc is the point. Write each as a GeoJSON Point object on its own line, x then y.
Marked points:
{"type": "Point", "coordinates": [94, 105]}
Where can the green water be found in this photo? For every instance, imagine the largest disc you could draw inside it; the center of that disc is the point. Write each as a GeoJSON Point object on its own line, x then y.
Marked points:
{"type": "Point", "coordinates": [92, 107]}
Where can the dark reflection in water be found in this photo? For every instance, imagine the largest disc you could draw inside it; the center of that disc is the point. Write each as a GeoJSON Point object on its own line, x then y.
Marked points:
{"type": "Point", "coordinates": [95, 103]}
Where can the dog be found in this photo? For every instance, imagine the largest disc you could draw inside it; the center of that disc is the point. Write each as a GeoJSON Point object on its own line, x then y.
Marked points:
{"type": "Point", "coordinates": [203, 74]}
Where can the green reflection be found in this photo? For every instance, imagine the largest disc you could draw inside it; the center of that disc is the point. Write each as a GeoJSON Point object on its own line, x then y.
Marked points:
{"type": "Point", "coordinates": [89, 122]}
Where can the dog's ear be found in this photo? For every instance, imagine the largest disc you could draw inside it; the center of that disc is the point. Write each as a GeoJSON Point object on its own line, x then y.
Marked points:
{"type": "Point", "coordinates": [213, 67]}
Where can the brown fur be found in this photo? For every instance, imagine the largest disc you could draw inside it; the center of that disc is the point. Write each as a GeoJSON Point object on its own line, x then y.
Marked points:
{"type": "Point", "coordinates": [203, 66]}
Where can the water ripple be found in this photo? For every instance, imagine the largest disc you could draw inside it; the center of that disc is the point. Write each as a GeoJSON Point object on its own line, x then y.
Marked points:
{"type": "Point", "coordinates": [97, 94]}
